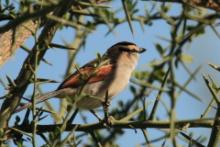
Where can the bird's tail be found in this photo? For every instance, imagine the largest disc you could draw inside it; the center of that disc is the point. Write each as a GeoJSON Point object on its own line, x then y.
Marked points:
{"type": "Point", "coordinates": [40, 99]}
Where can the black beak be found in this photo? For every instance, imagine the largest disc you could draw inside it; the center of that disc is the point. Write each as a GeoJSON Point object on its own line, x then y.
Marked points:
{"type": "Point", "coordinates": [141, 50]}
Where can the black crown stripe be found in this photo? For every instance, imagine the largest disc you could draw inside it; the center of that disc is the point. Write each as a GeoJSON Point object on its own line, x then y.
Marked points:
{"type": "Point", "coordinates": [124, 43]}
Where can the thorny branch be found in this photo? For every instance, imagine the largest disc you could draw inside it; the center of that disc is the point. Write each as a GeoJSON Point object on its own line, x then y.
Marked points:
{"type": "Point", "coordinates": [204, 123]}
{"type": "Point", "coordinates": [22, 81]}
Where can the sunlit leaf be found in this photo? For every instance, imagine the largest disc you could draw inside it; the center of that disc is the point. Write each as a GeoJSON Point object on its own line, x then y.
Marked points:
{"type": "Point", "coordinates": [186, 58]}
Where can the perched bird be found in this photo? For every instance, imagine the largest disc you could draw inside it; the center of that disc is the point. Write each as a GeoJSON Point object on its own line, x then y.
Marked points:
{"type": "Point", "coordinates": [107, 74]}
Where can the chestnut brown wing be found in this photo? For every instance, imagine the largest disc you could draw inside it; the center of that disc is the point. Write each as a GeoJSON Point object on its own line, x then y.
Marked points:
{"type": "Point", "coordinates": [87, 75]}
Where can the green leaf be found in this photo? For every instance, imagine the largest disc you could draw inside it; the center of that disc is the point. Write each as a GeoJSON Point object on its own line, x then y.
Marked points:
{"type": "Point", "coordinates": [186, 58]}
{"type": "Point", "coordinates": [159, 48]}
{"type": "Point", "coordinates": [55, 45]}
{"type": "Point", "coordinates": [133, 89]}
{"type": "Point", "coordinates": [7, 2]}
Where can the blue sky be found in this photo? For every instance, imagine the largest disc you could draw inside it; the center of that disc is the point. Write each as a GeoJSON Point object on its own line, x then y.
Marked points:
{"type": "Point", "coordinates": [204, 49]}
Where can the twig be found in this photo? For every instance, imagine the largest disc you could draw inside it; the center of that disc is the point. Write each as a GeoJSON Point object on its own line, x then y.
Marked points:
{"type": "Point", "coordinates": [106, 107]}
{"type": "Point", "coordinates": [146, 138]}
{"type": "Point", "coordinates": [98, 143]}
{"type": "Point", "coordinates": [22, 81]}
{"type": "Point", "coordinates": [203, 123]}
{"type": "Point", "coordinates": [153, 111]}
{"type": "Point", "coordinates": [190, 139]}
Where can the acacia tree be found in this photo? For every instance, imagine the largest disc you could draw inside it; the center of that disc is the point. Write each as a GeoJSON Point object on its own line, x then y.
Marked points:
{"type": "Point", "coordinates": [42, 19]}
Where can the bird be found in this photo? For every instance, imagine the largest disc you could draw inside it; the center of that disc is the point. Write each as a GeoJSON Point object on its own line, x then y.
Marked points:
{"type": "Point", "coordinates": [107, 74]}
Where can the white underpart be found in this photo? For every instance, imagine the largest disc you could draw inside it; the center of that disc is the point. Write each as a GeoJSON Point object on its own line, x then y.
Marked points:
{"type": "Point", "coordinates": [113, 84]}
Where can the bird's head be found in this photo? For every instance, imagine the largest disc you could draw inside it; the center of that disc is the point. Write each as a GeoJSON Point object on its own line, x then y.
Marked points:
{"type": "Point", "coordinates": [126, 50]}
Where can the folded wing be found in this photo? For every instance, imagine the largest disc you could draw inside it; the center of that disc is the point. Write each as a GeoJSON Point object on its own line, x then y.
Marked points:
{"type": "Point", "coordinates": [87, 75]}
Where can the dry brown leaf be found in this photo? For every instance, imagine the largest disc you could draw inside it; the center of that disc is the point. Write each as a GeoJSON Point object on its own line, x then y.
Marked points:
{"type": "Point", "coordinates": [13, 39]}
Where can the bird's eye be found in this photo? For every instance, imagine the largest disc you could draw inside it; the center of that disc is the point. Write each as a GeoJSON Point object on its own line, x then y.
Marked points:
{"type": "Point", "coordinates": [127, 50]}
